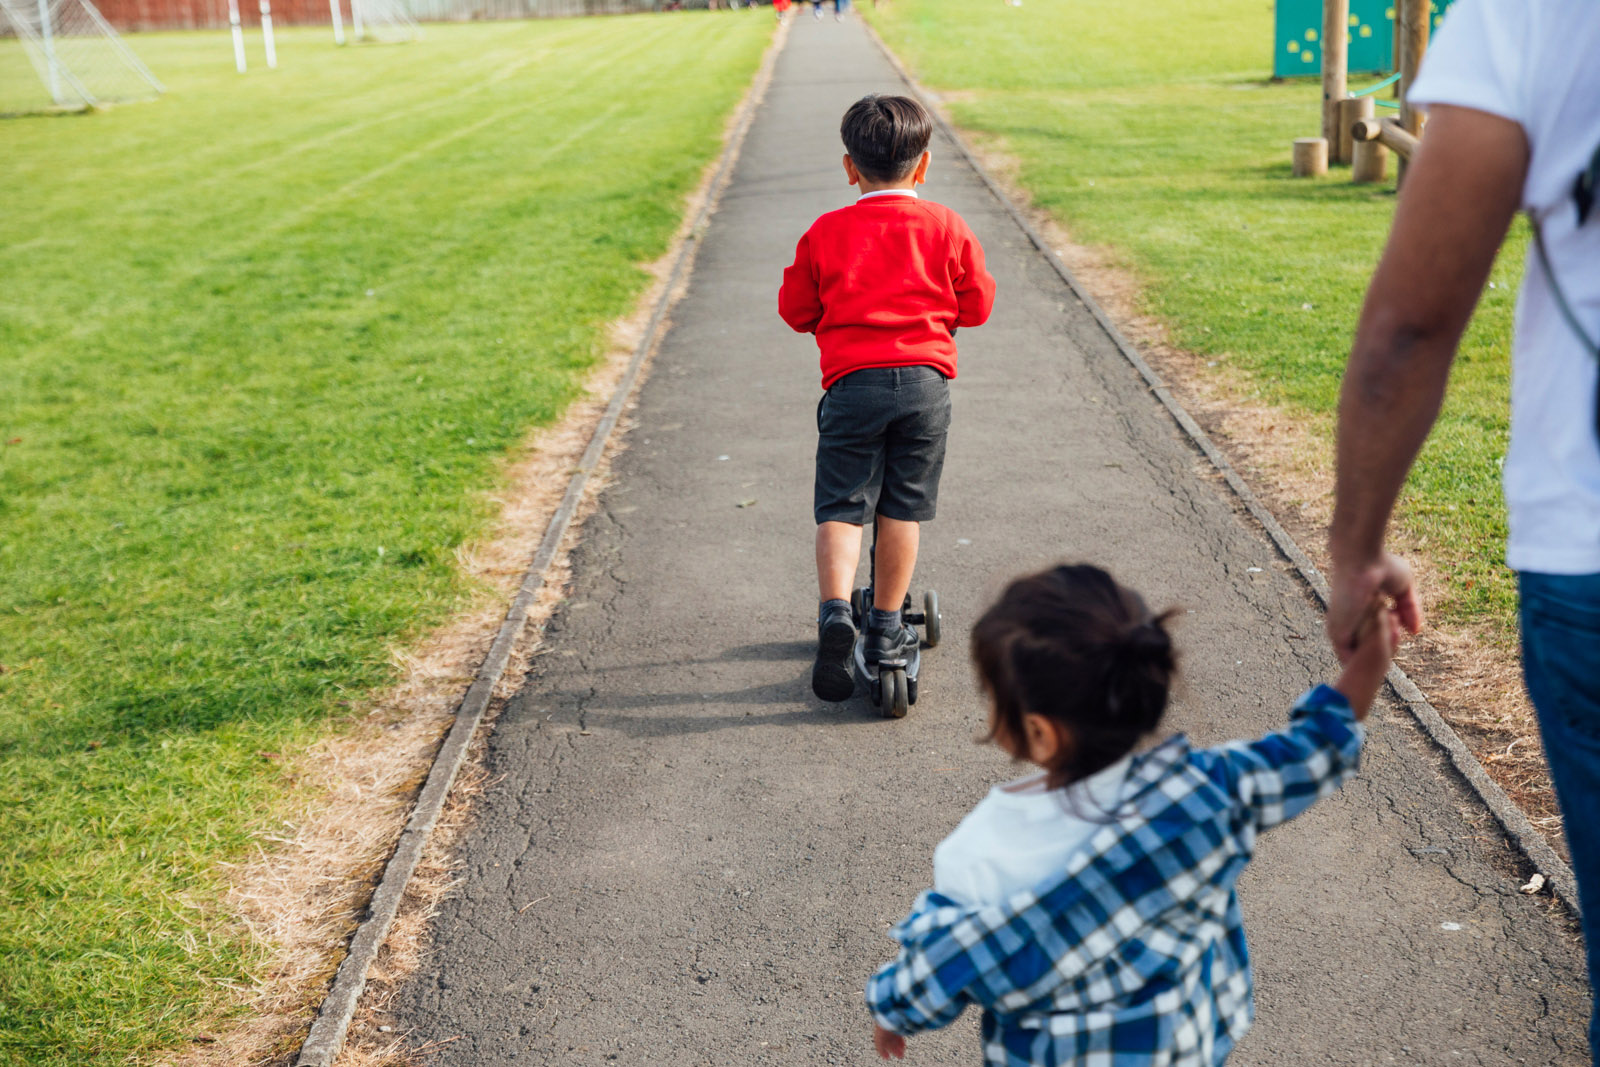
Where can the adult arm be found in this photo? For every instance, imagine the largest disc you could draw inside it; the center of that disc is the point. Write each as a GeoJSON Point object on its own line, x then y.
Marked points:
{"type": "Point", "coordinates": [1461, 191]}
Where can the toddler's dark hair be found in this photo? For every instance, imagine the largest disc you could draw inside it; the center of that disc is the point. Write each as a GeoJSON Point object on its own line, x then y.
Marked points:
{"type": "Point", "coordinates": [886, 135]}
{"type": "Point", "coordinates": [1072, 645]}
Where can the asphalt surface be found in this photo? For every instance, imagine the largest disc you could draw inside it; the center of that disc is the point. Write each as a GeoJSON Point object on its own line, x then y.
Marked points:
{"type": "Point", "coordinates": [685, 858]}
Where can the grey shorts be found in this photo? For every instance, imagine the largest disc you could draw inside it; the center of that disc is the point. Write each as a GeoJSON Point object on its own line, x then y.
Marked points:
{"type": "Point", "coordinates": [880, 445]}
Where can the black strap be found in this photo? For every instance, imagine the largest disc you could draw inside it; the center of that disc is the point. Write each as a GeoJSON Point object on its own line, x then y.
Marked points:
{"type": "Point", "coordinates": [1589, 345]}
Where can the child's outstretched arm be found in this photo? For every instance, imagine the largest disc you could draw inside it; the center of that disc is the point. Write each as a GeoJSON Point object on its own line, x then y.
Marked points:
{"type": "Point", "coordinates": [1284, 773]}
{"type": "Point", "coordinates": [799, 302]}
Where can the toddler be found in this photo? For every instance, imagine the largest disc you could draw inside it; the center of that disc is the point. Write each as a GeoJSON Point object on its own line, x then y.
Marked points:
{"type": "Point", "coordinates": [1089, 909]}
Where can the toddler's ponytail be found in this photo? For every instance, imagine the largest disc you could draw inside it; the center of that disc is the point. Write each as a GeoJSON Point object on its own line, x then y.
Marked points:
{"type": "Point", "coordinates": [1072, 645]}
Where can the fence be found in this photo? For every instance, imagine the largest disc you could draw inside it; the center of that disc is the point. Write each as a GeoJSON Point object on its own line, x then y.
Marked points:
{"type": "Point", "coordinates": [461, 10]}
{"type": "Point", "coordinates": [142, 15]}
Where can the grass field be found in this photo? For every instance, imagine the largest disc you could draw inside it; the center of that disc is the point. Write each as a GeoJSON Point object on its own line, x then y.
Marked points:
{"type": "Point", "coordinates": [1152, 129]}
{"type": "Point", "coordinates": [264, 345]}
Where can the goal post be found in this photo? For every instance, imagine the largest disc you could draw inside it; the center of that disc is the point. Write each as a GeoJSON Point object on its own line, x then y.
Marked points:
{"type": "Point", "coordinates": [47, 39]}
{"type": "Point", "coordinates": [236, 26]}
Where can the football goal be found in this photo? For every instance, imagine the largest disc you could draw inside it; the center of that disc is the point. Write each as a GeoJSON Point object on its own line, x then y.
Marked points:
{"type": "Point", "coordinates": [383, 20]}
{"type": "Point", "coordinates": [80, 60]}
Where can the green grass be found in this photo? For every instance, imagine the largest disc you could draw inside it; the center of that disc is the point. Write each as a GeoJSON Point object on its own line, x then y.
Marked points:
{"type": "Point", "coordinates": [264, 345]}
{"type": "Point", "coordinates": [1152, 129]}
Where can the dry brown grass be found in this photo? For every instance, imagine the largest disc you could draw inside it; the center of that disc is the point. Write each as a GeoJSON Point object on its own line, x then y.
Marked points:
{"type": "Point", "coordinates": [1467, 672]}
{"type": "Point", "coordinates": [301, 897]}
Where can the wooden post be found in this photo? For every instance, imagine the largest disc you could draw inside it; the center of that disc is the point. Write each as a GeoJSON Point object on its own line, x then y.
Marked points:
{"type": "Point", "coordinates": [1310, 156]}
{"type": "Point", "coordinates": [1351, 112]}
{"type": "Point", "coordinates": [1370, 162]}
{"type": "Point", "coordinates": [1411, 29]}
{"type": "Point", "coordinates": [1335, 61]}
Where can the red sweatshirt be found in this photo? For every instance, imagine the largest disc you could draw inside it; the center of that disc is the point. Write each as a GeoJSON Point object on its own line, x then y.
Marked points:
{"type": "Point", "coordinates": [884, 283]}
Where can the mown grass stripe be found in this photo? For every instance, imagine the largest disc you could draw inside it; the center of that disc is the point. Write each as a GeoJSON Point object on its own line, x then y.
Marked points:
{"type": "Point", "coordinates": [218, 434]}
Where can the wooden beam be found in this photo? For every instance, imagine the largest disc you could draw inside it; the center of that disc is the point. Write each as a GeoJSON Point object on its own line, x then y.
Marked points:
{"type": "Point", "coordinates": [1388, 132]}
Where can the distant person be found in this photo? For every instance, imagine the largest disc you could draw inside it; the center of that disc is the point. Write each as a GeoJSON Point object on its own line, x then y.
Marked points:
{"type": "Point", "coordinates": [1090, 909]}
{"type": "Point", "coordinates": [1511, 92]}
{"type": "Point", "coordinates": [883, 284]}
{"type": "Point", "coordinates": [780, 8]}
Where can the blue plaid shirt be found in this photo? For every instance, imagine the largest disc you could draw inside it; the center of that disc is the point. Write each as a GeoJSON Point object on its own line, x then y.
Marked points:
{"type": "Point", "coordinates": [1135, 954]}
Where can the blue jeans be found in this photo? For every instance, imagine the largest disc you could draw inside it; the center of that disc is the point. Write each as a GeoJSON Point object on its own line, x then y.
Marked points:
{"type": "Point", "coordinates": [1561, 659]}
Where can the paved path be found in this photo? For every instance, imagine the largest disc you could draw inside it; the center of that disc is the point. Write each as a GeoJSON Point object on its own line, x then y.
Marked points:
{"type": "Point", "coordinates": [686, 859]}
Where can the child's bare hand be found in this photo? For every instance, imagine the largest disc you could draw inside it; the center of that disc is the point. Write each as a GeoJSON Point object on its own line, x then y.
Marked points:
{"type": "Point", "coordinates": [889, 1044]}
{"type": "Point", "coordinates": [1369, 659]}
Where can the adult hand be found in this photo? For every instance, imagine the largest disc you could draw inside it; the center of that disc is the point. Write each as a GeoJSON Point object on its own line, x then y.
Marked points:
{"type": "Point", "coordinates": [889, 1044]}
{"type": "Point", "coordinates": [1363, 674]}
{"type": "Point", "coordinates": [1357, 591]}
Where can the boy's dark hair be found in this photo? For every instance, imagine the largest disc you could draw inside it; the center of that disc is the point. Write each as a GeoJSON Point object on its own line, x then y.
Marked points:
{"type": "Point", "coordinates": [886, 135]}
{"type": "Point", "coordinates": [1072, 645]}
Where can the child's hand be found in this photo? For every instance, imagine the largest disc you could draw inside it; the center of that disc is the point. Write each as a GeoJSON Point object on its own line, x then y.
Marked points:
{"type": "Point", "coordinates": [889, 1044]}
{"type": "Point", "coordinates": [1375, 642]}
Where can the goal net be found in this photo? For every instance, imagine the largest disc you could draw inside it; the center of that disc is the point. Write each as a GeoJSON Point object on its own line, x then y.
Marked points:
{"type": "Point", "coordinates": [383, 20]}
{"type": "Point", "coordinates": [79, 59]}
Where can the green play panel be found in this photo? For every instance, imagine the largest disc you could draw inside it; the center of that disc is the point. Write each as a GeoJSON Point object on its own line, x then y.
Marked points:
{"type": "Point", "coordinates": [1297, 47]}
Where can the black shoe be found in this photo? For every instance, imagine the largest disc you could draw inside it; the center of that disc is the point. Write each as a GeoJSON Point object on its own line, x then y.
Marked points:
{"type": "Point", "coordinates": [890, 645]}
{"type": "Point", "coordinates": [831, 677]}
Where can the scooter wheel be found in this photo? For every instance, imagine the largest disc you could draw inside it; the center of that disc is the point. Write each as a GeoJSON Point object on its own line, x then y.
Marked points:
{"type": "Point", "coordinates": [911, 690]}
{"type": "Point", "coordinates": [896, 697]}
{"type": "Point", "coordinates": [930, 618]}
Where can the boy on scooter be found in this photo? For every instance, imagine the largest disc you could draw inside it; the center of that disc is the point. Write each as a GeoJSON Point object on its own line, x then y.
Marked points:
{"type": "Point", "coordinates": [883, 284]}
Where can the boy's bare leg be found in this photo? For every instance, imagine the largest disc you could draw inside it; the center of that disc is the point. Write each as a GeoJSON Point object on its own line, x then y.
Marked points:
{"type": "Point", "coordinates": [897, 558]}
{"type": "Point", "coordinates": [838, 554]}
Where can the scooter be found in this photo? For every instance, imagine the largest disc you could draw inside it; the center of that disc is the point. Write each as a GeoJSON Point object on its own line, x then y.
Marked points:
{"type": "Point", "coordinates": [892, 683]}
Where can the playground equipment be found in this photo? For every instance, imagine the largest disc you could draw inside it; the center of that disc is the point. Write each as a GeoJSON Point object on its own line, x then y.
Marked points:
{"type": "Point", "coordinates": [1351, 132]}
{"type": "Point", "coordinates": [81, 61]}
{"type": "Point", "coordinates": [1299, 29]}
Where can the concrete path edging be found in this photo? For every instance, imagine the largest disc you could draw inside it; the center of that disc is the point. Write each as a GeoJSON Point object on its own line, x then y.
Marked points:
{"type": "Point", "coordinates": [1524, 837]}
{"type": "Point", "coordinates": [334, 1015]}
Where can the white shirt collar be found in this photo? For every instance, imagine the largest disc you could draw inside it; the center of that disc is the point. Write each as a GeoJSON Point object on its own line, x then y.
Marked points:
{"type": "Point", "coordinates": [912, 193]}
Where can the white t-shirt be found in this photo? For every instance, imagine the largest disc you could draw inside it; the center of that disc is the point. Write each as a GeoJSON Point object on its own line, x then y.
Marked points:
{"type": "Point", "coordinates": [1537, 63]}
{"type": "Point", "coordinates": [1022, 833]}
